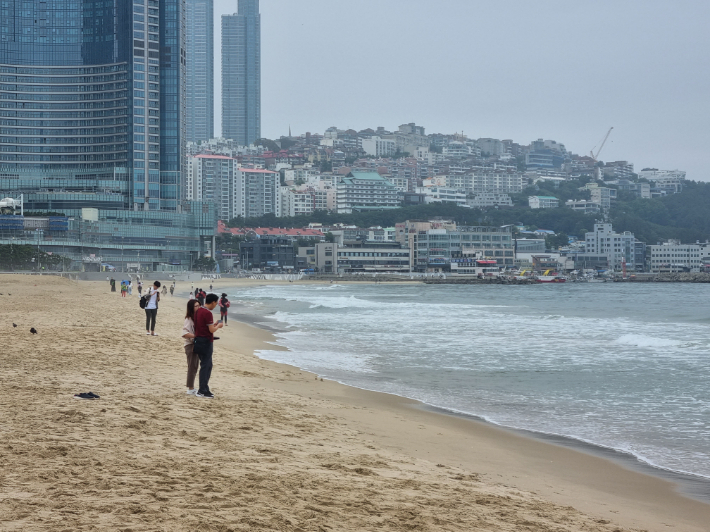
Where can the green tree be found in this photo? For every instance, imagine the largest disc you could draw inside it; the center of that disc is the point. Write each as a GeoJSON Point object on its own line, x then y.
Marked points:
{"type": "Point", "coordinates": [204, 264]}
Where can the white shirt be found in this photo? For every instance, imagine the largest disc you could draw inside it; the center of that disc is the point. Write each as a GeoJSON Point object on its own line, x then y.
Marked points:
{"type": "Point", "coordinates": [153, 302]}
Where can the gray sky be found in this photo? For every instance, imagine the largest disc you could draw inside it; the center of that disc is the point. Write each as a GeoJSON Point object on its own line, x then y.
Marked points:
{"type": "Point", "coordinates": [515, 69]}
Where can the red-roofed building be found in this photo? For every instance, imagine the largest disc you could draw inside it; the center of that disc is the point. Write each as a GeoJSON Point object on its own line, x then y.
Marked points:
{"type": "Point", "coordinates": [291, 233]}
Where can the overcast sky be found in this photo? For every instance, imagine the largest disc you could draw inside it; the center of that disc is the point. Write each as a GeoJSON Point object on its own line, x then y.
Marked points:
{"type": "Point", "coordinates": [521, 70]}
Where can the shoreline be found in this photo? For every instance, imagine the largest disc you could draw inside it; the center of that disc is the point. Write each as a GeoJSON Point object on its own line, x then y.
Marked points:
{"type": "Point", "coordinates": [691, 485]}
{"type": "Point", "coordinates": [277, 449]}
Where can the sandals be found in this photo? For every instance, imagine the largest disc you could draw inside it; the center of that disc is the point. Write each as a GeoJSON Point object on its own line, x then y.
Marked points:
{"type": "Point", "coordinates": [89, 395]}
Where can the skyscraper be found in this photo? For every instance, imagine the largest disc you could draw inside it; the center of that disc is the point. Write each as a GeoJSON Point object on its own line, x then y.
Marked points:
{"type": "Point", "coordinates": [200, 70]}
{"type": "Point", "coordinates": [241, 73]}
{"type": "Point", "coordinates": [96, 88]}
{"type": "Point", "coordinates": [93, 116]}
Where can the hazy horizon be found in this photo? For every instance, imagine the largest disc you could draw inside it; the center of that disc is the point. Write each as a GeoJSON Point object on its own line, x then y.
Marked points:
{"type": "Point", "coordinates": [516, 71]}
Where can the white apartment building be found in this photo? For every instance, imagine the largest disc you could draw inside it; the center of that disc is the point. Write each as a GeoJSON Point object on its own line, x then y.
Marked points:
{"type": "Point", "coordinates": [379, 147]}
{"type": "Point", "coordinates": [400, 183]}
{"type": "Point", "coordinates": [489, 199]}
{"type": "Point", "coordinates": [672, 256]}
{"type": "Point", "coordinates": [501, 183]}
{"type": "Point", "coordinates": [211, 178]}
{"type": "Point", "coordinates": [585, 206]}
{"type": "Point", "coordinates": [668, 181]}
{"type": "Point", "coordinates": [618, 248]}
{"type": "Point", "coordinates": [306, 200]}
{"type": "Point", "coordinates": [440, 194]}
{"type": "Point", "coordinates": [256, 192]}
{"type": "Point", "coordinates": [543, 202]}
{"type": "Point", "coordinates": [603, 196]}
{"type": "Point", "coordinates": [360, 191]}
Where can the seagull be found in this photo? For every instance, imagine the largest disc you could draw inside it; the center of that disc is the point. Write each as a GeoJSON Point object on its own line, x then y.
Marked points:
{"type": "Point", "coordinates": [14, 325]}
{"type": "Point", "coordinates": [33, 330]}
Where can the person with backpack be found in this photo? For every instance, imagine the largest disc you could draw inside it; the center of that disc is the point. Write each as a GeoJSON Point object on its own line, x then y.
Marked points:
{"type": "Point", "coordinates": [204, 343]}
{"type": "Point", "coordinates": [151, 308]}
{"type": "Point", "coordinates": [224, 304]}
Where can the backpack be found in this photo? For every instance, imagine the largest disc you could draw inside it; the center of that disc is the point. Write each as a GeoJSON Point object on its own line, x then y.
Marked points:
{"type": "Point", "coordinates": [143, 301]}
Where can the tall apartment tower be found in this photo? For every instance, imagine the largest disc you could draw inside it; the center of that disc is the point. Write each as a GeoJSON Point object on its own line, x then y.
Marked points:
{"type": "Point", "coordinates": [93, 101]}
{"type": "Point", "coordinates": [241, 74]}
{"type": "Point", "coordinates": [200, 70]}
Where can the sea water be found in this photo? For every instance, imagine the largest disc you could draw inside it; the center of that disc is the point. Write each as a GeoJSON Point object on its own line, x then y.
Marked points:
{"type": "Point", "coordinates": [620, 365]}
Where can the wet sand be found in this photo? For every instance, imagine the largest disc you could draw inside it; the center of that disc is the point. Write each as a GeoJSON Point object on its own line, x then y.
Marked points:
{"type": "Point", "coordinates": [278, 449]}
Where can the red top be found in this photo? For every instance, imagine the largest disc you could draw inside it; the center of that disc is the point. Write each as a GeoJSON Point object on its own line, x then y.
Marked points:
{"type": "Point", "coordinates": [203, 318]}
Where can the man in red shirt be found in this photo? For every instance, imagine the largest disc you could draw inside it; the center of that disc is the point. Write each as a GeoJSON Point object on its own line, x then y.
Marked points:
{"type": "Point", "coordinates": [204, 343]}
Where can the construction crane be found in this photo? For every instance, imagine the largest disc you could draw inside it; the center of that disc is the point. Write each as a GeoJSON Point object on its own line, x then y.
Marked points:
{"type": "Point", "coordinates": [596, 157]}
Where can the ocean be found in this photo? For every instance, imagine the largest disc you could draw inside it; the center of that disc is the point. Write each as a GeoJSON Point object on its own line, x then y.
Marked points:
{"type": "Point", "coordinates": [624, 366]}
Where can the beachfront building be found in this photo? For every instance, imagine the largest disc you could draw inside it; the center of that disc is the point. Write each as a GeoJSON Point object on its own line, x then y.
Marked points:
{"type": "Point", "coordinates": [436, 244]}
{"type": "Point", "coordinates": [267, 253]}
{"type": "Point", "coordinates": [356, 257]}
{"type": "Point", "coordinates": [673, 257]}
{"type": "Point", "coordinates": [93, 127]}
{"type": "Point", "coordinates": [619, 248]}
{"type": "Point", "coordinates": [365, 191]}
{"type": "Point", "coordinates": [543, 202]}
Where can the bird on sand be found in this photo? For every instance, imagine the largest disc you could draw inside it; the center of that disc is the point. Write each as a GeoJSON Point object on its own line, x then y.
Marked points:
{"type": "Point", "coordinates": [33, 330]}
{"type": "Point", "coordinates": [14, 325]}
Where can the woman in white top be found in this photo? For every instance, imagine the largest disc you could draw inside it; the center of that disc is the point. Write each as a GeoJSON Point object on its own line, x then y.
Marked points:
{"type": "Point", "coordinates": [151, 308]}
{"type": "Point", "coordinates": [188, 334]}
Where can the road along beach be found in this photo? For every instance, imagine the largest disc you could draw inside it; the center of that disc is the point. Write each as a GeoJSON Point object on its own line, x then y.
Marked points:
{"type": "Point", "coordinates": [278, 449]}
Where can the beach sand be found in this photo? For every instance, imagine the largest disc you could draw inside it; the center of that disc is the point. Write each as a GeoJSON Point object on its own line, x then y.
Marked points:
{"type": "Point", "coordinates": [278, 449]}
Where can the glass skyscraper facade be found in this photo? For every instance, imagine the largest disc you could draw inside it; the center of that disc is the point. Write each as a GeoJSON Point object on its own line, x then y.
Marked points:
{"type": "Point", "coordinates": [92, 115]}
{"type": "Point", "coordinates": [241, 74]}
{"type": "Point", "coordinates": [95, 88]}
{"type": "Point", "coordinates": [200, 70]}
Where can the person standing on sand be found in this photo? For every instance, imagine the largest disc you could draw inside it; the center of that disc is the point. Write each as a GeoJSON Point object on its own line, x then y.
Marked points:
{"type": "Point", "coordinates": [188, 334]}
{"type": "Point", "coordinates": [140, 288]}
{"type": "Point", "coordinates": [130, 288]}
{"type": "Point", "coordinates": [172, 289]}
{"type": "Point", "coordinates": [204, 343]}
{"type": "Point", "coordinates": [224, 304]}
{"type": "Point", "coordinates": [151, 309]}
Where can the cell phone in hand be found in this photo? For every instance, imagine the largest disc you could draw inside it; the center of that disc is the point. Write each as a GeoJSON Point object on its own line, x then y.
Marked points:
{"type": "Point", "coordinates": [218, 322]}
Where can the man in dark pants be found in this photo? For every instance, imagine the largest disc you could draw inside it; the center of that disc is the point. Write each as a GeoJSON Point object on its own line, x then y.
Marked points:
{"type": "Point", "coordinates": [204, 343]}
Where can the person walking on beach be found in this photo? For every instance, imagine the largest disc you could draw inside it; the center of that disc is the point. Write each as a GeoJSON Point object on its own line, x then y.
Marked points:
{"type": "Point", "coordinates": [210, 287]}
{"type": "Point", "coordinates": [165, 290]}
{"type": "Point", "coordinates": [140, 288]}
{"type": "Point", "coordinates": [204, 343]}
{"type": "Point", "coordinates": [188, 334]}
{"type": "Point", "coordinates": [200, 296]}
{"type": "Point", "coordinates": [224, 304]}
{"type": "Point", "coordinates": [172, 289]}
{"type": "Point", "coordinates": [113, 285]}
{"type": "Point", "coordinates": [130, 288]}
{"type": "Point", "coordinates": [151, 308]}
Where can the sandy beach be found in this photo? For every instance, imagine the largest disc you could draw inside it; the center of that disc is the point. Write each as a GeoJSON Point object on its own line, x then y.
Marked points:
{"type": "Point", "coordinates": [277, 449]}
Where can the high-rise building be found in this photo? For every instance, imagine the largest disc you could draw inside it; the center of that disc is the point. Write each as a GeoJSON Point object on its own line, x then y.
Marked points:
{"type": "Point", "coordinates": [241, 74]}
{"type": "Point", "coordinates": [200, 70]}
{"type": "Point", "coordinates": [93, 116]}
{"type": "Point", "coordinates": [99, 88]}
